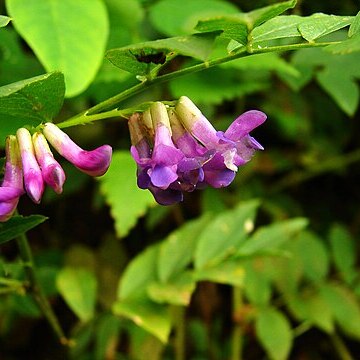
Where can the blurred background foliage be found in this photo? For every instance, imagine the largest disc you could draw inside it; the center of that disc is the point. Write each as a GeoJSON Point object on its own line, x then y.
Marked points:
{"type": "Point", "coordinates": [267, 267]}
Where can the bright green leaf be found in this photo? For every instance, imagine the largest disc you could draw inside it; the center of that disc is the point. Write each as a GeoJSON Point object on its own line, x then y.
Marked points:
{"type": "Point", "coordinates": [4, 20]}
{"type": "Point", "coordinates": [230, 272]}
{"type": "Point", "coordinates": [173, 17]}
{"type": "Point", "coordinates": [345, 47]}
{"type": "Point", "coordinates": [176, 251]}
{"type": "Point", "coordinates": [345, 307]}
{"type": "Point", "coordinates": [343, 251]}
{"type": "Point", "coordinates": [18, 225]}
{"type": "Point", "coordinates": [355, 26]}
{"type": "Point", "coordinates": [127, 202]}
{"type": "Point", "coordinates": [30, 101]}
{"type": "Point", "coordinates": [66, 35]}
{"type": "Point", "coordinates": [224, 234]}
{"type": "Point", "coordinates": [78, 288]}
{"type": "Point", "coordinates": [318, 25]}
{"type": "Point", "coordinates": [176, 292]}
{"type": "Point", "coordinates": [128, 58]}
{"type": "Point", "coordinates": [150, 316]}
{"type": "Point", "coordinates": [139, 274]}
{"type": "Point", "coordinates": [272, 236]}
{"type": "Point", "coordinates": [274, 333]}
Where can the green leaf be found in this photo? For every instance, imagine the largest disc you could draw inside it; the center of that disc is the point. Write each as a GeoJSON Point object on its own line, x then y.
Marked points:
{"type": "Point", "coordinates": [314, 256]}
{"type": "Point", "coordinates": [18, 225]}
{"type": "Point", "coordinates": [4, 20]}
{"type": "Point", "coordinates": [177, 250]}
{"type": "Point", "coordinates": [204, 87]}
{"type": "Point", "coordinates": [343, 251]}
{"type": "Point", "coordinates": [150, 316]}
{"type": "Point", "coordinates": [176, 292]}
{"type": "Point", "coordinates": [230, 272]}
{"type": "Point", "coordinates": [272, 236]}
{"type": "Point", "coordinates": [139, 273]}
{"type": "Point", "coordinates": [66, 35]}
{"type": "Point", "coordinates": [345, 47]}
{"type": "Point", "coordinates": [128, 58]}
{"type": "Point", "coordinates": [107, 333]}
{"type": "Point", "coordinates": [355, 26]}
{"type": "Point", "coordinates": [30, 101]}
{"type": "Point", "coordinates": [318, 25]}
{"type": "Point", "coordinates": [224, 234]}
{"type": "Point", "coordinates": [78, 288]}
{"type": "Point", "coordinates": [345, 308]}
{"type": "Point", "coordinates": [173, 17]}
{"type": "Point", "coordinates": [274, 333]}
{"type": "Point", "coordinates": [127, 202]}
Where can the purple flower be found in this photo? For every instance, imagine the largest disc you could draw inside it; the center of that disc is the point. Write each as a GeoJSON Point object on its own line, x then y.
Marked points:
{"type": "Point", "coordinates": [51, 171]}
{"type": "Point", "coordinates": [33, 180]}
{"type": "Point", "coordinates": [94, 163]}
{"type": "Point", "coordinates": [12, 185]}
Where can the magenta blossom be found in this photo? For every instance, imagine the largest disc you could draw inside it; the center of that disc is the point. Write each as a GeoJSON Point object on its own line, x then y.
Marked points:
{"type": "Point", "coordinates": [33, 180]}
{"type": "Point", "coordinates": [51, 171]}
{"type": "Point", "coordinates": [94, 162]}
{"type": "Point", "coordinates": [12, 185]}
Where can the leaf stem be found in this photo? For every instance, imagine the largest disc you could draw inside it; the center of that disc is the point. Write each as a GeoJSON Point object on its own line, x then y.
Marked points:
{"type": "Point", "coordinates": [179, 345]}
{"type": "Point", "coordinates": [36, 289]}
{"type": "Point", "coordinates": [102, 109]}
{"type": "Point", "coordinates": [237, 331]}
{"type": "Point", "coordinates": [341, 348]}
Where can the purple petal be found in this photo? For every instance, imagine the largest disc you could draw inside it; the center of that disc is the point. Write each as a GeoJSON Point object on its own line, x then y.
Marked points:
{"type": "Point", "coordinates": [163, 176]}
{"type": "Point", "coordinates": [166, 197]}
{"type": "Point", "coordinates": [244, 124]}
{"type": "Point", "coordinates": [9, 193]}
{"type": "Point", "coordinates": [7, 209]}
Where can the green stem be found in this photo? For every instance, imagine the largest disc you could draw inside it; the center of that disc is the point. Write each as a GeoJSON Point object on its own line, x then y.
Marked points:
{"type": "Point", "coordinates": [237, 331]}
{"type": "Point", "coordinates": [113, 102]}
{"type": "Point", "coordinates": [36, 289]}
{"type": "Point", "coordinates": [179, 315]}
{"type": "Point", "coordinates": [341, 348]}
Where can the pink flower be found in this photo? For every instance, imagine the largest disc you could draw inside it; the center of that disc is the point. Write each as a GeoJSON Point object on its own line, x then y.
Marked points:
{"type": "Point", "coordinates": [94, 163]}
{"type": "Point", "coordinates": [51, 171]}
{"type": "Point", "coordinates": [33, 180]}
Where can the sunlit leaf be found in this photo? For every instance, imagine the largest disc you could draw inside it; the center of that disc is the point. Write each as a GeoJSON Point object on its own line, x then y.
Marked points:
{"type": "Point", "coordinates": [127, 202]}
{"type": "Point", "coordinates": [345, 47]}
{"type": "Point", "coordinates": [30, 101]}
{"type": "Point", "coordinates": [274, 333]}
{"type": "Point", "coordinates": [139, 274]}
{"type": "Point", "coordinates": [66, 35]}
{"type": "Point", "coordinates": [18, 225]}
{"type": "Point", "coordinates": [4, 20]}
{"type": "Point", "coordinates": [224, 234]}
{"type": "Point", "coordinates": [177, 250]}
{"type": "Point", "coordinates": [78, 288]}
{"type": "Point", "coordinates": [150, 316]}
{"type": "Point", "coordinates": [355, 26]}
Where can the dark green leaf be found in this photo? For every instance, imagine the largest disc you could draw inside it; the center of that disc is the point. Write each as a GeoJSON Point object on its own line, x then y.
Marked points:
{"type": "Point", "coordinates": [224, 234]}
{"type": "Point", "coordinates": [78, 288]}
{"type": "Point", "coordinates": [49, 29]}
{"type": "Point", "coordinates": [173, 17]}
{"type": "Point", "coordinates": [176, 251]}
{"type": "Point", "coordinates": [150, 316]}
{"type": "Point", "coordinates": [272, 236]}
{"type": "Point", "coordinates": [139, 274]}
{"type": "Point", "coordinates": [4, 20]}
{"type": "Point", "coordinates": [127, 202]}
{"type": "Point", "coordinates": [274, 333]}
{"type": "Point", "coordinates": [31, 101]}
{"type": "Point", "coordinates": [132, 58]}
{"type": "Point", "coordinates": [18, 225]}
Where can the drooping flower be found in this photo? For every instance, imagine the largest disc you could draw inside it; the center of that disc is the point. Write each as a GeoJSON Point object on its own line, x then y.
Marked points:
{"type": "Point", "coordinates": [12, 185]}
{"type": "Point", "coordinates": [94, 162]}
{"type": "Point", "coordinates": [52, 172]}
{"type": "Point", "coordinates": [33, 180]}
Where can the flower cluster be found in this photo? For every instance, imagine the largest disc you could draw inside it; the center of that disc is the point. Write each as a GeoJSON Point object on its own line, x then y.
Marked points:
{"type": "Point", "coordinates": [177, 149]}
{"type": "Point", "coordinates": [30, 165]}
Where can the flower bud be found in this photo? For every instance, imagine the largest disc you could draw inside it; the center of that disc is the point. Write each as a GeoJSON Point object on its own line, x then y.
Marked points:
{"type": "Point", "coordinates": [51, 171]}
{"type": "Point", "coordinates": [94, 162]}
{"type": "Point", "coordinates": [33, 180]}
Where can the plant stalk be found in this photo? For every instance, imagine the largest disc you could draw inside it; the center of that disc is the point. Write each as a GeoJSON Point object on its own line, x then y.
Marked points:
{"type": "Point", "coordinates": [36, 289]}
{"type": "Point", "coordinates": [179, 345]}
{"type": "Point", "coordinates": [237, 335]}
